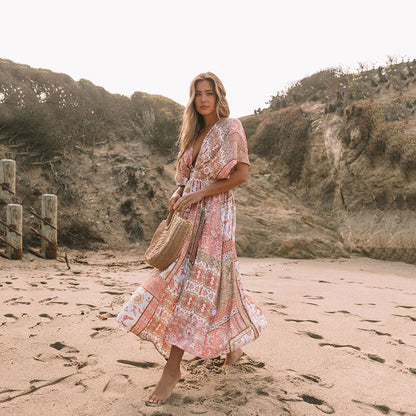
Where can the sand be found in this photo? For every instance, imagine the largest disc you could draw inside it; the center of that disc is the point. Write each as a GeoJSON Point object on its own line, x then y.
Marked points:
{"type": "Point", "coordinates": [341, 340]}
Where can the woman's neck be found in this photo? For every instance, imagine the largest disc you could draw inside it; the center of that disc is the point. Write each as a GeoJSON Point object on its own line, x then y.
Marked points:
{"type": "Point", "coordinates": [209, 121]}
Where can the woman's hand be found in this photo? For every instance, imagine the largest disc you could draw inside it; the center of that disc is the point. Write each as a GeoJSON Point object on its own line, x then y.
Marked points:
{"type": "Point", "coordinates": [175, 196]}
{"type": "Point", "coordinates": [187, 200]}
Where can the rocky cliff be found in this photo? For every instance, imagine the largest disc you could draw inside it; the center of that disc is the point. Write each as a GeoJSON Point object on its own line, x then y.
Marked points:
{"type": "Point", "coordinates": [355, 167]}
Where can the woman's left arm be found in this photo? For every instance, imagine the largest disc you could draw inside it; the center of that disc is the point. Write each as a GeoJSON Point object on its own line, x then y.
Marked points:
{"type": "Point", "coordinates": [238, 176]}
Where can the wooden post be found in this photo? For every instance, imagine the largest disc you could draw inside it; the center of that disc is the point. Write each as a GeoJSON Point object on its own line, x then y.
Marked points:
{"type": "Point", "coordinates": [14, 231]}
{"type": "Point", "coordinates": [7, 179]}
{"type": "Point", "coordinates": [49, 226]}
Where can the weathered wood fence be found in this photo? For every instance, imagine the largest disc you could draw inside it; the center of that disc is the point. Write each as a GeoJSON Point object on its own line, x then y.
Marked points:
{"type": "Point", "coordinates": [14, 217]}
{"type": "Point", "coordinates": [7, 179]}
{"type": "Point", "coordinates": [49, 221]}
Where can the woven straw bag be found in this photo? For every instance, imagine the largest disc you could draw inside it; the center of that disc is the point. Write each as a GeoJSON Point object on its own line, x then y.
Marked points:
{"type": "Point", "coordinates": [167, 241]}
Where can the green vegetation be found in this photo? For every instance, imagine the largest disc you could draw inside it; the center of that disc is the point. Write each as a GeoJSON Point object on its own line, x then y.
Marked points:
{"type": "Point", "coordinates": [250, 124]}
{"type": "Point", "coordinates": [159, 118]}
{"type": "Point", "coordinates": [283, 134]}
{"type": "Point", "coordinates": [337, 88]}
{"type": "Point", "coordinates": [49, 112]}
{"type": "Point", "coordinates": [380, 129]}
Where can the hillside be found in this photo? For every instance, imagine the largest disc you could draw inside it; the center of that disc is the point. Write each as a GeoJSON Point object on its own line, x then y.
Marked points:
{"type": "Point", "coordinates": [97, 151]}
{"type": "Point", "coordinates": [333, 163]}
{"type": "Point", "coordinates": [351, 160]}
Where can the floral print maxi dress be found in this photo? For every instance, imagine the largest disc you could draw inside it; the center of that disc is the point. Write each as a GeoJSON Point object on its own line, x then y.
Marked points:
{"type": "Point", "coordinates": [198, 302]}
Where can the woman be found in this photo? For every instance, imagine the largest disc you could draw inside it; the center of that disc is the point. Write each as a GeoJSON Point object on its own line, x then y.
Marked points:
{"type": "Point", "coordinates": [198, 304]}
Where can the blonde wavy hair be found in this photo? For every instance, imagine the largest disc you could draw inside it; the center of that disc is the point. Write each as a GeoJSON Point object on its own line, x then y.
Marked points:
{"type": "Point", "coordinates": [192, 121]}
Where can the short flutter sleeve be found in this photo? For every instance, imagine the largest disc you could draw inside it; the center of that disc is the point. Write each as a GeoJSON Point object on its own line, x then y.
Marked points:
{"type": "Point", "coordinates": [179, 179]}
{"type": "Point", "coordinates": [233, 149]}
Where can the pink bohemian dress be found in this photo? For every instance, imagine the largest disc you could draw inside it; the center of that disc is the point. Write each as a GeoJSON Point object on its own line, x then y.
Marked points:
{"type": "Point", "coordinates": [198, 303]}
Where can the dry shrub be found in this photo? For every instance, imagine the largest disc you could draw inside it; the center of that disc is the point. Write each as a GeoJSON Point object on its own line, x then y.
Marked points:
{"type": "Point", "coordinates": [411, 201]}
{"type": "Point", "coordinates": [133, 227]}
{"type": "Point", "coordinates": [250, 124]}
{"type": "Point", "coordinates": [398, 109]}
{"type": "Point", "coordinates": [394, 152]}
{"type": "Point", "coordinates": [382, 139]}
{"type": "Point", "coordinates": [377, 135]}
{"type": "Point", "coordinates": [408, 162]}
{"type": "Point", "coordinates": [76, 233]}
{"type": "Point", "coordinates": [361, 116]}
{"type": "Point", "coordinates": [337, 88]}
{"type": "Point", "coordinates": [283, 133]}
{"type": "Point", "coordinates": [159, 119]}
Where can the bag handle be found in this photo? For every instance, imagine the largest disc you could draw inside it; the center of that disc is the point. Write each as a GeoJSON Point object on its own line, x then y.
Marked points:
{"type": "Point", "coordinates": [170, 216]}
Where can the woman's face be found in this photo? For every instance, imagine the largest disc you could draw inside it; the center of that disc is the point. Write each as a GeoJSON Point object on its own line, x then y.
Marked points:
{"type": "Point", "coordinates": [205, 98]}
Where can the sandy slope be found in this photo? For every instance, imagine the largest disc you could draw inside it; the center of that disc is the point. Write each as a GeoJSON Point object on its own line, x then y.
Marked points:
{"type": "Point", "coordinates": [341, 340]}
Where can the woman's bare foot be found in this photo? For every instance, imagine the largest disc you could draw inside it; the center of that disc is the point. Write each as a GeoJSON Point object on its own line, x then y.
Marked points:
{"type": "Point", "coordinates": [165, 386]}
{"type": "Point", "coordinates": [233, 356]}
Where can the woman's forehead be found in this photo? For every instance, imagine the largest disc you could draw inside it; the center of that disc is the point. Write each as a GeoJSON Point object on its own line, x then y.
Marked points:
{"type": "Point", "coordinates": [203, 85]}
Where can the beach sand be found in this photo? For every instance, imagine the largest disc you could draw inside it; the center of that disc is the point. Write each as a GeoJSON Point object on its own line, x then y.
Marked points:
{"type": "Point", "coordinates": [341, 340]}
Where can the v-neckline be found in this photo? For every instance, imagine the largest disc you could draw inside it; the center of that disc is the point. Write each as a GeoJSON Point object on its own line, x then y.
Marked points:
{"type": "Point", "coordinates": [202, 143]}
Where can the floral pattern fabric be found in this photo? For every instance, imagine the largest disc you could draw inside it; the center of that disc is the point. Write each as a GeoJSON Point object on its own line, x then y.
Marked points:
{"type": "Point", "coordinates": [198, 303]}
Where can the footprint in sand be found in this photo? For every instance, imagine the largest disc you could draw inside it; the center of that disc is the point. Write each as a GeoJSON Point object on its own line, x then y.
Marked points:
{"type": "Point", "coordinates": [47, 299]}
{"type": "Point", "coordinates": [276, 305]}
{"type": "Point", "coordinates": [341, 311]}
{"type": "Point", "coordinates": [319, 404]}
{"type": "Point", "coordinates": [141, 364]}
{"type": "Point", "coordinates": [311, 334]}
{"type": "Point", "coordinates": [383, 334]}
{"type": "Point", "coordinates": [88, 305]}
{"type": "Point", "coordinates": [301, 320]}
{"type": "Point", "coordinates": [10, 318]}
{"type": "Point", "coordinates": [224, 394]}
{"type": "Point", "coordinates": [310, 303]}
{"type": "Point", "coordinates": [102, 332]}
{"type": "Point", "coordinates": [46, 357]}
{"type": "Point", "coordinates": [80, 387]}
{"type": "Point", "coordinates": [55, 302]}
{"type": "Point", "coordinates": [105, 315]}
{"type": "Point", "coordinates": [383, 409]}
{"type": "Point", "coordinates": [375, 357]}
{"type": "Point", "coordinates": [12, 299]}
{"type": "Point", "coordinates": [324, 344]}
{"type": "Point", "coordinates": [278, 312]}
{"type": "Point", "coordinates": [370, 320]}
{"type": "Point", "coordinates": [313, 297]}
{"type": "Point", "coordinates": [60, 346]}
{"type": "Point", "coordinates": [46, 317]}
{"type": "Point", "coordinates": [117, 384]}
{"type": "Point", "coordinates": [406, 316]}
{"type": "Point", "coordinates": [111, 292]}
{"type": "Point", "coordinates": [317, 380]}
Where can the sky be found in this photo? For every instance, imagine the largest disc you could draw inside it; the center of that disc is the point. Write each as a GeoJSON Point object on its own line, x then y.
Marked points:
{"type": "Point", "coordinates": [256, 47]}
